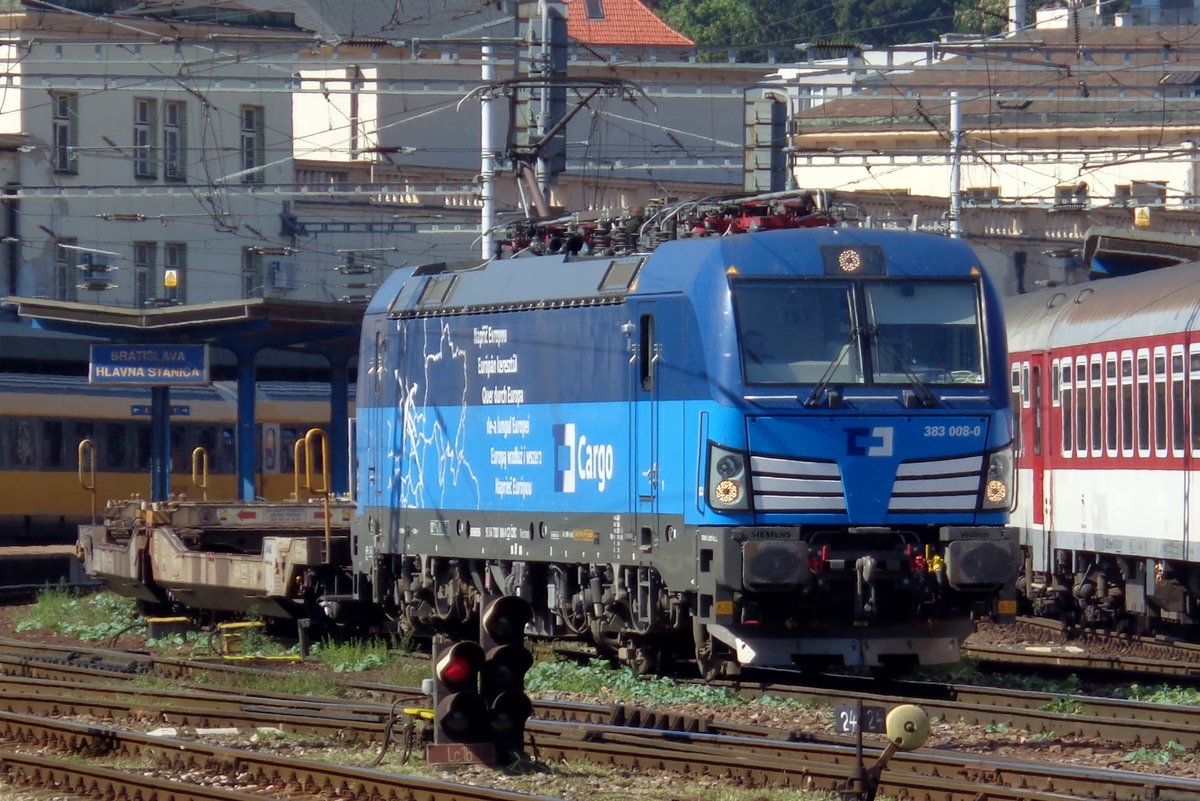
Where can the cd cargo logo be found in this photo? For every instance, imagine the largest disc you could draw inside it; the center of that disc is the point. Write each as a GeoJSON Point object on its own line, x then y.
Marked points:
{"type": "Point", "coordinates": [576, 459]}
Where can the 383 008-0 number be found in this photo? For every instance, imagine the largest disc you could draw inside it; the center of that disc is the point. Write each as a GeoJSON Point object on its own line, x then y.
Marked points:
{"type": "Point", "coordinates": [954, 431]}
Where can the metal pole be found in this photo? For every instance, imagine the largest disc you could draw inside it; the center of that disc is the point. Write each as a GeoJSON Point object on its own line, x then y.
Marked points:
{"type": "Point", "coordinates": [955, 164]}
{"type": "Point", "coordinates": [160, 442]}
{"type": "Point", "coordinates": [487, 156]}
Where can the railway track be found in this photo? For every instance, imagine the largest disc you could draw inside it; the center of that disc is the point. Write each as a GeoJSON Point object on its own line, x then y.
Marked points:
{"type": "Point", "coordinates": [631, 738]}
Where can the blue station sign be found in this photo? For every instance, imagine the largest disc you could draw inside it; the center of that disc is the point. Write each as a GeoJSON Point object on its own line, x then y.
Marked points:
{"type": "Point", "coordinates": [149, 365]}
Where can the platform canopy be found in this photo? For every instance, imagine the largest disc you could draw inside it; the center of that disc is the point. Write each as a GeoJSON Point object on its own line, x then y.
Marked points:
{"type": "Point", "coordinates": [243, 327]}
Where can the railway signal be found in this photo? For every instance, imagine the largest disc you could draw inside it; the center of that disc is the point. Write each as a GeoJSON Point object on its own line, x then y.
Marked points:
{"type": "Point", "coordinates": [460, 730]}
{"type": "Point", "coordinates": [502, 680]}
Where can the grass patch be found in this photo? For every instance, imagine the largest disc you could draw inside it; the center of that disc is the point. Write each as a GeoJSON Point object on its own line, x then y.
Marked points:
{"type": "Point", "coordinates": [598, 678]}
{"type": "Point", "coordinates": [1160, 694]}
{"type": "Point", "coordinates": [1064, 706]}
{"type": "Point", "coordinates": [1156, 756]}
{"type": "Point", "coordinates": [88, 618]}
{"type": "Point", "coordinates": [351, 657]}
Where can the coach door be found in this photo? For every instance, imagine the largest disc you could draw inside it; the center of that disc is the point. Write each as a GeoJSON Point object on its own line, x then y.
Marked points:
{"type": "Point", "coordinates": [645, 419]}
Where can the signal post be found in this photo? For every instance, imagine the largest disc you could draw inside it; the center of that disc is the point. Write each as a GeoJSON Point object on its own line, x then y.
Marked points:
{"type": "Point", "coordinates": [479, 700]}
{"type": "Point", "coordinates": [459, 712]}
{"type": "Point", "coordinates": [502, 624]}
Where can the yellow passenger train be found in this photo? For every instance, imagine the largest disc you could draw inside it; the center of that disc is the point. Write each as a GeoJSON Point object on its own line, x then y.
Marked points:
{"type": "Point", "coordinates": [44, 418]}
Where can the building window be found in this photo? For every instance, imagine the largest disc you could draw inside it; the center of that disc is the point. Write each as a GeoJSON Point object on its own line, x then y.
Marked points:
{"type": "Point", "coordinates": [253, 279]}
{"type": "Point", "coordinates": [145, 122]}
{"type": "Point", "coordinates": [175, 141]}
{"type": "Point", "coordinates": [143, 274]}
{"type": "Point", "coordinates": [65, 268]}
{"type": "Point", "coordinates": [175, 272]}
{"type": "Point", "coordinates": [66, 131]}
{"type": "Point", "coordinates": [594, 9]}
{"type": "Point", "coordinates": [252, 145]}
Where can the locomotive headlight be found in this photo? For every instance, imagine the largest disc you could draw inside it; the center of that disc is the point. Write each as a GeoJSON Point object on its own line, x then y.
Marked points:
{"type": "Point", "coordinates": [727, 477]}
{"type": "Point", "coordinates": [997, 484]}
{"type": "Point", "coordinates": [727, 491]}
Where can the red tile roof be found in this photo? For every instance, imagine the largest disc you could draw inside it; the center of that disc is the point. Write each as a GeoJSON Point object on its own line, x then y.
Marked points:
{"type": "Point", "coordinates": [625, 22]}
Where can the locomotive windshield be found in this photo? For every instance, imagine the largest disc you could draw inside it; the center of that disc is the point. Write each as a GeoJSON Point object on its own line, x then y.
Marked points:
{"type": "Point", "coordinates": [870, 332]}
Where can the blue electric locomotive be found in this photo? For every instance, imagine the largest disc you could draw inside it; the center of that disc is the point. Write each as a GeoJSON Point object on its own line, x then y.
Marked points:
{"type": "Point", "coordinates": [782, 448]}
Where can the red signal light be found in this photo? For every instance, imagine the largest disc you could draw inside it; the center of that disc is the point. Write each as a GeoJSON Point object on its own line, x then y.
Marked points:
{"type": "Point", "coordinates": [456, 670]}
{"type": "Point", "coordinates": [459, 664]}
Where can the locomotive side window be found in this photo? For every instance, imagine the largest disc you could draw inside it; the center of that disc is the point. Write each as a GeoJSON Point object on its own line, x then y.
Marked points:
{"type": "Point", "coordinates": [1127, 403]}
{"type": "Point", "coordinates": [1068, 409]}
{"type": "Point", "coordinates": [1194, 391]}
{"type": "Point", "coordinates": [1025, 384]}
{"type": "Point", "coordinates": [1143, 403]}
{"type": "Point", "coordinates": [1110, 404]}
{"type": "Point", "coordinates": [1178, 417]}
{"type": "Point", "coordinates": [646, 352]}
{"type": "Point", "coordinates": [1056, 390]}
{"type": "Point", "coordinates": [1081, 405]}
{"type": "Point", "coordinates": [1096, 410]}
{"type": "Point", "coordinates": [1160, 402]}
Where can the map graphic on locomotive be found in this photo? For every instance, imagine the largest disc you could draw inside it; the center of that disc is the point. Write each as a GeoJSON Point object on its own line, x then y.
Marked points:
{"type": "Point", "coordinates": [728, 431]}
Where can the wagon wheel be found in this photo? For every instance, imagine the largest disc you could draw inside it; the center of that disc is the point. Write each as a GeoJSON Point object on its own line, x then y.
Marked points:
{"type": "Point", "coordinates": [713, 659]}
{"type": "Point", "coordinates": [646, 655]}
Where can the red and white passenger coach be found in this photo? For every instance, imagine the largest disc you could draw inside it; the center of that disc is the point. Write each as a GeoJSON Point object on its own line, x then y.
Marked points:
{"type": "Point", "coordinates": [1105, 379]}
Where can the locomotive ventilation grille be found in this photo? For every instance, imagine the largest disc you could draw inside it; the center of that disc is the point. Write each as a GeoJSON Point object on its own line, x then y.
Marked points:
{"type": "Point", "coordinates": [796, 485]}
{"type": "Point", "coordinates": [939, 485]}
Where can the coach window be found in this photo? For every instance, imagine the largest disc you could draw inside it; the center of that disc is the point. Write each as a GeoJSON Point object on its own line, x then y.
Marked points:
{"type": "Point", "coordinates": [1160, 401]}
{"type": "Point", "coordinates": [1014, 398]}
{"type": "Point", "coordinates": [1178, 417]}
{"type": "Point", "coordinates": [1036, 387]}
{"type": "Point", "coordinates": [1081, 404]}
{"type": "Point", "coordinates": [52, 443]}
{"type": "Point", "coordinates": [1194, 393]}
{"type": "Point", "coordinates": [113, 453]}
{"type": "Point", "coordinates": [1110, 404]}
{"type": "Point", "coordinates": [21, 451]}
{"type": "Point", "coordinates": [81, 430]}
{"type": "Point", "coordinates": [1143, 403]}
{"type": "Point", "coordinates": [1127, 403]}
{"type": "Point", "coordinates": [1067, 409]}
{"type": "Point", "coordinates": [1096, 410]}
{"type": "Point", "coordinates": [141, 452]}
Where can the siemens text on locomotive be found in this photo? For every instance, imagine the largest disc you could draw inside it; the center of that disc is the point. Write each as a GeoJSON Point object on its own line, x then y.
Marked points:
{"type": "Point", "coordinates": [1106, 378]}
{"type": "Point", "coordinates": [786, 447]}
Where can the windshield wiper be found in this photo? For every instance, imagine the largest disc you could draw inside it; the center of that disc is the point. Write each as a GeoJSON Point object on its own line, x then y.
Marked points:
{"type": "Point", "coordinates": [826, 379]}
{"type": "Point", "coordinates": [923, 393]}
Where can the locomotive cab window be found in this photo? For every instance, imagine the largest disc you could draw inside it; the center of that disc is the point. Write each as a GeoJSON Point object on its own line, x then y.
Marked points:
{"type": "Point", "coordinates": [888, 331]}
{"type": "Point", "coordinates": [796, 332]}
{"type": "Point", "coordinates": [927, 329]}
